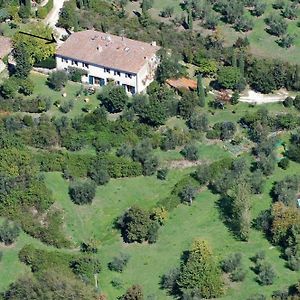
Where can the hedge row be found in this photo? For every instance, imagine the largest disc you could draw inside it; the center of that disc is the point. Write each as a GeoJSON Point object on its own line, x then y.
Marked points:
{"type": "Point", "coordinates": [42, 12]}
{"type": "Point", "coordinates": [173, 200]}
{"type": "Point", "coordinates": [78, 165]}
{"type": "Point", "coordinates": [38, 104]}
{"type": "Point", "coordinates": [68, 264]}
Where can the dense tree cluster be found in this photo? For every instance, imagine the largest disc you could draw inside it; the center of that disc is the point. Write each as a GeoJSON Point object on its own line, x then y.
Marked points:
{"type": "Point", "coordinates": [138, 225]}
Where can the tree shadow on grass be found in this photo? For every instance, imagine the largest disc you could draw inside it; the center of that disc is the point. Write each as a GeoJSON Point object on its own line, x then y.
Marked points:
{"type": "Point", "coordinates": [224, 206]}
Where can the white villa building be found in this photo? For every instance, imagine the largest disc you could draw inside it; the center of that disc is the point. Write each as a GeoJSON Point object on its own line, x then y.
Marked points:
{"type": "Point", "coordinates": [110, 58]}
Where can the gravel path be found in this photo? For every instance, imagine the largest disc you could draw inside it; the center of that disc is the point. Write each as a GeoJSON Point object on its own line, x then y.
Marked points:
{"type": "Point", "coordinates": [53, 17]}
{"type": "Point", "coordinates": [258, 98]}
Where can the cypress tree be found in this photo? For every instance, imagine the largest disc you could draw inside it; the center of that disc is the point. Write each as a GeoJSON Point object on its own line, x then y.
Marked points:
{"type": "Point", "coordinates": [241, 210]}
{"type": "Point", "coordinates": [201, 272]}
{"type": "Point", "coordinates": [190, 17]}
{"type": "Point", "coordinates": [296, 84]}
{"type": "Point", "coordinates": [200, 91]}
{"type": "Point", "coordinates": [23, 61]}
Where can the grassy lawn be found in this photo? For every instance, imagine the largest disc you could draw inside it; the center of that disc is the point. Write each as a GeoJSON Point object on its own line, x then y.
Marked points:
{"type": "Point", "coordinates": [206, 152]}
{"type": "Point", "coordinates": [96, 220]}
{"type": "Point", "coordinates": [10, 266]}
{"type": "Point", "coordinates": [41, 88]}
{"type": "Point", "coordinates": [149, 262]}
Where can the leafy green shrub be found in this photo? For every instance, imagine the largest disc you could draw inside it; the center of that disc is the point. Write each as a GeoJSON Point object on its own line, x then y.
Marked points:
{"type": "Point", "coordinates": [9, 232]}
{"type": "Point", "coordinates": [117, 283]}
{"type": "Point", "coordinates": [86, 267]}
{"type": "Point", "coordinates": [75, 74]}
{"type": "Point", "coordinates": [72, 140]}
{"type": "Point", "coordinates": [150, 166]}
{"type": "Point", "coordinates": [101, 145]}
{"type": "Point", "coordinates": [280, 295]}
{"type": "Point", "coordinates": [190, 152]}
{"type": "Point", "coordinates": [118, 263]}
{"type": "Point", "coordinates": [57, 80]}
{"type": "Point", "coordinates": [198, 121]}
{"type": "Point", "coordinates": [82, 192]}
{"type": "Point", "coordinates": [162, 174]}
{"type": "Point", "coordinates": [174, 199]}
{"type": "Point", "coordinates": [297, 102]}
{"type": "Point", "coordinates": [114, 98]}
{"type": "Point", "coordinates": [48, 63]}
{"type": "Point", "coordinates": [238, 275]}
{"type": "Point", "coordinates": [134, 292]}
{"type": "Point", "coordinates": [260, 255]}
{"type": "Point", "coordinates": [213, 134]}
{"type": "Point", "coordinates": [265, 273]}
{"type": "Point", "coordinates": [169, 280]}
{"type": "Point", "coordinates": [231, 263]}
{"type": "Point", "coordinates": [153, 232]}
{"type": "Point", "coordinates": [284, 163]}
{"type": "Point", "coordinates": [26, 87]}
{"type": "Point", "coordinates": [188, 194]}
{"type": "Point", "coordinates": [9, 87]}
{"type": "Point", "coordinates": [288, 102]}
{"type": "Point", "coordinates": [98, 172]}
{"type": "Point", "coordinates": [66, 106]}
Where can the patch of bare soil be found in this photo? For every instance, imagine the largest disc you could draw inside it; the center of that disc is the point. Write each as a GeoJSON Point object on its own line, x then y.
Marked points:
{"type": "Point", "coordinates": [183, 164]}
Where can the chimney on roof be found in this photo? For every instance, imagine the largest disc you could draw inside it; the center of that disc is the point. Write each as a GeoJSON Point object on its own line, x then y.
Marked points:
{"type": "Point", "coordinates": [99, 48]}
{"type": "Point", "coordinates": [153, 43]}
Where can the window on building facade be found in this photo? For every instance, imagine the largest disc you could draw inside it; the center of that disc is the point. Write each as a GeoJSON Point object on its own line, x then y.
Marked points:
{"type": "Point", "coordinates": [85, 65]}
{"type": "Point", "coordinates": [64, 60]}
{"type": "Point", "coordinates": [131, 89]}
{"type": "Point", "coordinates": [127, 75]}
{"type": "Point", "coordinates": [117, 73]}
{"type": "Point", "coordinates": [106, 70]}
{"type": "Point", "coordinates": [74, 62]}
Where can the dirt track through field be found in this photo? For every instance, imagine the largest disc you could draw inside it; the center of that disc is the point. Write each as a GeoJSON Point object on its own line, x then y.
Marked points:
{"type": "Point", "coordinates": [53, 17]}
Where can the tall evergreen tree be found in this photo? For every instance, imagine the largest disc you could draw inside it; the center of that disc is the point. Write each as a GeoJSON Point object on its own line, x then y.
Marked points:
{"type": "Point", "coordinates": [23, 61]}
{"type": "Point", "coordinates": [190, 16]}
{"type": "Point", "coordinates": [201, 272]}
{"type": "Point", "coordinates": [241, 209]}
{"type": "Point", "coordinates": [200, 91]}
{"type": "Point", "coordinates": [296, 84]}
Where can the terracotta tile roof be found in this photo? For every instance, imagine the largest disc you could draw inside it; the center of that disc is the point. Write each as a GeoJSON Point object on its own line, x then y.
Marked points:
{"type": "Point", "coordinates": [107, 50]}
{"type": "Point", "coordinates": [5, 46]}
{"type": "Point", "coordinates": [182, 83]}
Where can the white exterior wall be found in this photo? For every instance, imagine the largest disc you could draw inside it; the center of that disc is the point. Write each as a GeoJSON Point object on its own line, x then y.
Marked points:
{"type": "Point", "coordinates": [139, 81]}
{"type": "Point", "coordinates": [147, 73]}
